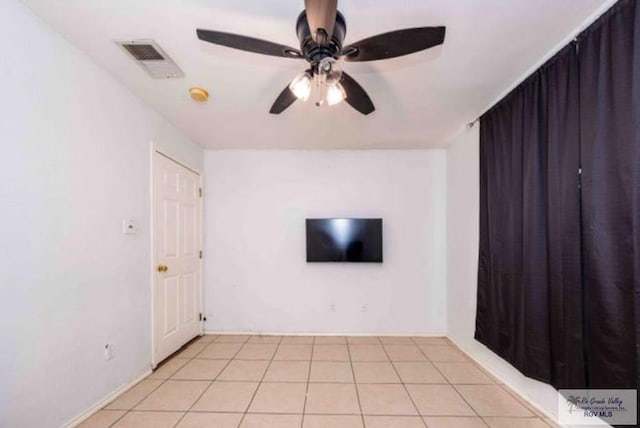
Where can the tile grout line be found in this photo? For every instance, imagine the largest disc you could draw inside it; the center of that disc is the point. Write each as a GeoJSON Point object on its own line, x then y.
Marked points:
{"type": "Point", "coordinates": [306, 392]}
{"type": "Point", "coordinates": [484, 419]}
{"type": "Point", "coordinates": [163, 381]}
{"type": "Point", "coordinates": [211, 381]}
{"type": "Point", "coordinates": [246, 410]}
{"type": "Point", "coordinates": [447, 379]}
{"type": "Point", "coordinates": [520, 400]}
{"type": "Point", "coordinates": [308, 382]}
{"type": "Point", "coordinates": [355, 384]}
{"type": "Point", "coordinates": [406, 390]}
{"type": "Point", "coordinates": [127, 411]}
{"type": "Point", "coordinates": [224, 412]}
{"type": "Point", "coordinates": [515, 397]}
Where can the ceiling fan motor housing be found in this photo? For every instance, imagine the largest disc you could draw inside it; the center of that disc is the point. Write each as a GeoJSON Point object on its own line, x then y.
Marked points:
{"type": "Point", "coordinates": [314, 52]}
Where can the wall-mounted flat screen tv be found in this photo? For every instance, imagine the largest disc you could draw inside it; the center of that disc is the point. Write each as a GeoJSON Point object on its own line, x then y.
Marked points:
{"type": "Point", "coordinates": [344, 240]}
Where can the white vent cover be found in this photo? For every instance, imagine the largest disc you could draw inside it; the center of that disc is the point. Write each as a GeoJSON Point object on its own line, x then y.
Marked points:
{"type": "Point", "coordinates": [152, 58]}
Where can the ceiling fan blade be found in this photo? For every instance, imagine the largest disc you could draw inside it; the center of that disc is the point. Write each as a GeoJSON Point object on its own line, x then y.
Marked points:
{"type": "Point", "coordinates": [356, 95]}
{"type": "Point", "coordinates": [284, 100]}
{"type": "Point", "coordinates": [321, 15]}
{"type": "Point", "coordinates": [394, 44]}
{"type": "Point", "coordinates": [248, 44]}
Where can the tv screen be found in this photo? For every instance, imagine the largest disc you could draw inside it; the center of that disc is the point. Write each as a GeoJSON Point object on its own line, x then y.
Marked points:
{"type": "Point", "coordinates": [344, 240]}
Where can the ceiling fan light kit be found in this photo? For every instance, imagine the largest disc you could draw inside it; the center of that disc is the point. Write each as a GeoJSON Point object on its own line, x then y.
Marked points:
{"type": "Point", "coordinates": [335, 94]}
{"type": "Point", "coordinates": [321, 29]}
{"type": "Point", "coordinates": [301, 85]}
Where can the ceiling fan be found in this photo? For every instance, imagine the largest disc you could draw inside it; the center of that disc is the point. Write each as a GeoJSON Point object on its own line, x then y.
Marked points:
{"type": "Point", "coordinates": [321, 29]}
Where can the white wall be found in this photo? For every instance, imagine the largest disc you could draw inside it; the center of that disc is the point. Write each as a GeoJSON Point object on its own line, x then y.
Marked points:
{"type": "Point", "coordinates": [76, 150]}
{"type": "Point", "coordinates": [256, 275]}
{"type": "Point", "coordinates": [462, 268]}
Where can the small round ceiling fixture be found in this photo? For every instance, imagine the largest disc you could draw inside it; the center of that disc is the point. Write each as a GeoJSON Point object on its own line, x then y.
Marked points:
{"type": "Point", "coordinates": [199, 94]}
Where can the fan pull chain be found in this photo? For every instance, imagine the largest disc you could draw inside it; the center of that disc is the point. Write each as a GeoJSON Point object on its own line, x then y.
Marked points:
{"type": "Point", "coordinates": [321, 92]}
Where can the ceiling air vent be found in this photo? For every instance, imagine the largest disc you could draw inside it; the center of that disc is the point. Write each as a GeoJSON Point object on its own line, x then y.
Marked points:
{"type": "Point", "coordinates": [152, 58]}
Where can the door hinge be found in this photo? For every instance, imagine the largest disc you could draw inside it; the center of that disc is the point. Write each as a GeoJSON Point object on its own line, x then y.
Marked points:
{"type": "Point", "coordinates": [200, 254]}
{"type": "Point", "coordinates": [200, 191]}
{"type": "Point", "coordinates": [201, 317]}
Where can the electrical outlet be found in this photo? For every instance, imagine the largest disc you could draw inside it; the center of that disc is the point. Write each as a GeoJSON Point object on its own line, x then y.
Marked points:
{"type": "Point", "coordinates": [129, 227]}
{"type": "Point", "coordinates": [108, 352]}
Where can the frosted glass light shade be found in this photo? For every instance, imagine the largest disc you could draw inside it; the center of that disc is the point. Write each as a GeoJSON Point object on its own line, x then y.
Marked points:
{"type": "Point", "coordinates": [301, 86]}
{"type": "Point", "coordinates": [335, 94]}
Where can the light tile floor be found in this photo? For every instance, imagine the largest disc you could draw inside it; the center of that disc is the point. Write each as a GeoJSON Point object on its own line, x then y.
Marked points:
{"type": "Point", "coordinates": [318, 382]}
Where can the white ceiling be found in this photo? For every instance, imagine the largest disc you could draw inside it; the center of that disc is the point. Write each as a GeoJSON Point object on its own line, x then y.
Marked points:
{"type": "Point", "coordinates": [421, 99]}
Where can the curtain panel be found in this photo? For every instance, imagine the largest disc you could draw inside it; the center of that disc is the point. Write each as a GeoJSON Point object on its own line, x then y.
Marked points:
{"type": "Point", "coordinates": [609, 57]}
{"type": "Point", "coordinates": [559, 257]}
{"type": "Point", "coordinates": [529, 264]}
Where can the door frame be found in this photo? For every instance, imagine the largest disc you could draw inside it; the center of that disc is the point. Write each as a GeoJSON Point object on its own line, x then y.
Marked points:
{"type": "Point", "coordinates": [152, 267]}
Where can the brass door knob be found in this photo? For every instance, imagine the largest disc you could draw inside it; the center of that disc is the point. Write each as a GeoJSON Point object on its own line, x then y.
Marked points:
{"type": "Point", "coordinates": [162, 268]}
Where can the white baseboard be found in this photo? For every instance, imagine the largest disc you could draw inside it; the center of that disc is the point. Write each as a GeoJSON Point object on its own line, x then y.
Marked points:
{"type": "Point", "coordinates": [275, 333]}
{"type": "Point", "coordinates": [507, 383]}
{"type": "Point", "coordinates": [100, 404]}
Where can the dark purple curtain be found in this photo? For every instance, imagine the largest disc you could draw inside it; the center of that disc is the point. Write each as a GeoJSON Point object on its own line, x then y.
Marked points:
{"type": "Point", "coordinates": [559, 262]}
{"type": "Point", "coordinates": [529, 265]}
{"type": "Point", "coordinates": [609, 58]}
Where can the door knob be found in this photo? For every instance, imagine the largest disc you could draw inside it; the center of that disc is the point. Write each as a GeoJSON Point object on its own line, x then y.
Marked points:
{"type": "Point", "coordinates": [162, 268]}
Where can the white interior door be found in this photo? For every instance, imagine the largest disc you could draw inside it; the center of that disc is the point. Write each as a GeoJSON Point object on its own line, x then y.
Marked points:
{"type": "Point", "coordinates": [177, 292]}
